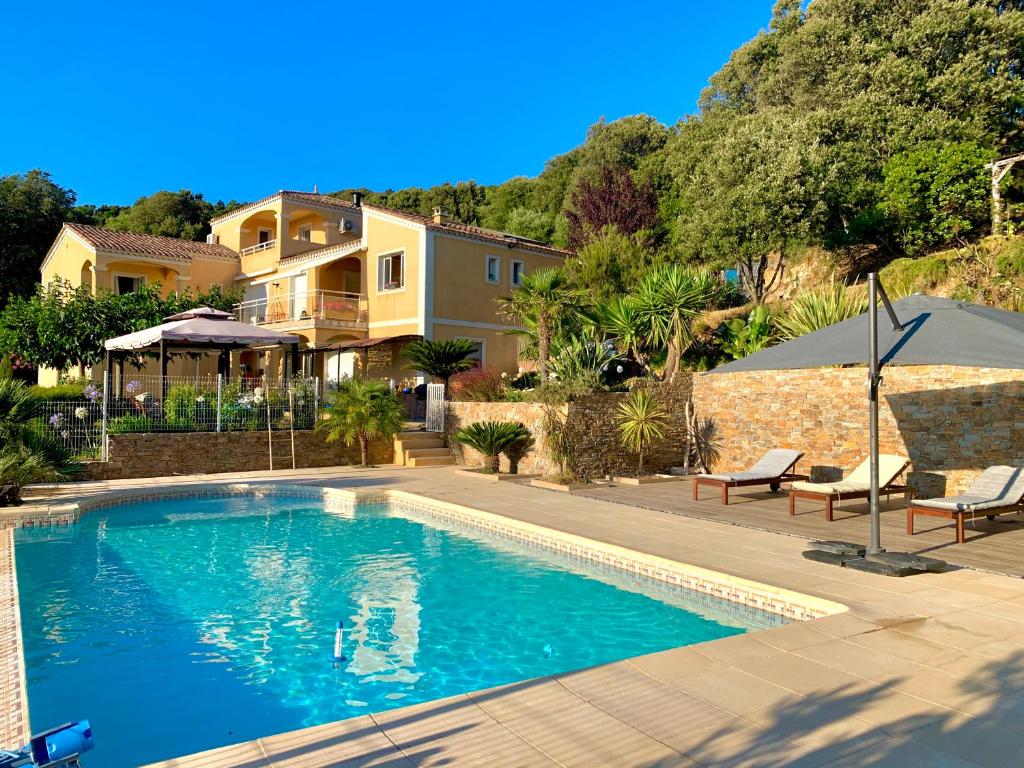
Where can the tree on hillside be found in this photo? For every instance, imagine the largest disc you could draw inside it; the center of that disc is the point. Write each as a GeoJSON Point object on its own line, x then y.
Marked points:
{"type": "Point", "coordinates": [611, 264]}
{"type": "Point", "coordinates": [934, 194]}
{"type": "Point", "coordinates": [614, 199]}
{"type": "Point", "coordinates": [32, 209]}
{"type": "Point", "coordinates": [181, 214]}
{"type": "Point", "coordinates": [752, 195]}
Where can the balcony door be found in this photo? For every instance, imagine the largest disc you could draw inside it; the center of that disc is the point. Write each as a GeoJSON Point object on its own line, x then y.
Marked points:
{"type": "Point", "coordinates": [300, 302]}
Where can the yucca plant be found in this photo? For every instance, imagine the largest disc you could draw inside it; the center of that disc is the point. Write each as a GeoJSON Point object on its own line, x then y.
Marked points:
{"type": "Point", "coordinates": [642, 421]}
{"type": "Point", "coordinates": [441, 359]}
{"type": "Point", "coordinates": [359, 411]}
{"type": "Point", "coordinates": [492, 438]}
{"type": "Point", "coordinates": [819, 308]}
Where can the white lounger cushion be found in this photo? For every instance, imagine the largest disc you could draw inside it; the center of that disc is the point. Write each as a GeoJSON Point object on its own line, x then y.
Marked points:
{"type": "Point", "coordinates": [858, 481]}
{"type": "Point", "coordinates": [998, 486]}
{"type": "Point", "coordinates": [770, 466]}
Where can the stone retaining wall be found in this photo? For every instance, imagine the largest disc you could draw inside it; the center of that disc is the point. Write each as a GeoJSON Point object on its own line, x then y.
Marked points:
{"type": "Point", "coordinates": [951, 422]}
{"type": "Point", "coordinates": [592, 419]}
{"type": "Point", "coordinates": [157, 454]}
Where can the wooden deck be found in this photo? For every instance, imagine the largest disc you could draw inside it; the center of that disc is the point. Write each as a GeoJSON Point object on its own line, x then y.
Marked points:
{"type": "Point", "coordinates": [996, 546]}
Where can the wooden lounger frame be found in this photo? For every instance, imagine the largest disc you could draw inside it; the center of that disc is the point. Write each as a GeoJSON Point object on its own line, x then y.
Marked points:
{"type": "Point", "coordinates": [957, 515]}
{"type": "Point", "coordinates": [725, 485]}
{"type": "Point", "coordinates": [830, 498]}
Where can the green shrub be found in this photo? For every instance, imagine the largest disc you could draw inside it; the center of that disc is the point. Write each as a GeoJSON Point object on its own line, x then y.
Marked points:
{"type": "Point", "coordinates": [916, 275]}
{"type": "Point", "coordinates": [1010, 262]}
{"type": "Point", "coordinates": [189, 408]}
{"type": "Point", "coordinates": [59, 392]}
{"type": "Point", "coordinates": [130, 423]}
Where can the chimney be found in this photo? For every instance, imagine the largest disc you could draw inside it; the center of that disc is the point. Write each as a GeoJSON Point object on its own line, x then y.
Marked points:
{"type": "Point", "coordinates": [440, 215]}
{"type": "Point", "coordinates": [357, 199]}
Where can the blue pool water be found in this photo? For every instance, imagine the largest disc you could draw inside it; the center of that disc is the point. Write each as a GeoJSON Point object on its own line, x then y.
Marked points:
{"type": "Point", "coordinates": [182, 625]}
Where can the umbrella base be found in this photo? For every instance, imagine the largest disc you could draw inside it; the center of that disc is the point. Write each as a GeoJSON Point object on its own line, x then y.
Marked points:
{"type": "Point", "coordinates": [847, 555]}
{"type": "Point", "coordinates": [907, 560]}
{"type": "Point", "coordinates": [839, 547]}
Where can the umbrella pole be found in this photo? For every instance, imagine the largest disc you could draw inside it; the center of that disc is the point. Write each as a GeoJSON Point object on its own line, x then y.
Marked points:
{"type": "Point", "coordinates": [873, 382]}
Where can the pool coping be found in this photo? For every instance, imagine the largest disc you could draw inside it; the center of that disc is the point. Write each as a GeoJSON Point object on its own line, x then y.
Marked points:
{"type": "Point", "coordinates": [14, 713]}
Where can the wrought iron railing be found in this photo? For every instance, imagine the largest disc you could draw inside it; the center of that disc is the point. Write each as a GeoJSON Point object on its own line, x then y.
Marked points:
{"type": "Point", "coordinates": [304, 305]}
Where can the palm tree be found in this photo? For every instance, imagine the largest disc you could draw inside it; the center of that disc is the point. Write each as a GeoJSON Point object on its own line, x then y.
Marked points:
{"type": "Point", "coordinates": [360, 410]}
{"type": "Point", "coordinates": [641, 422]}
{"type": "Point", "coordinates": [441, 359]}
{"type": "Point", "coordinates": [546, 296]}
{"type": "Point", "coordinates": [26, 454]}
{"type": "Point", "coordinates": [492, 438]}
{"type": "Point", "coordinates": [668, 301]}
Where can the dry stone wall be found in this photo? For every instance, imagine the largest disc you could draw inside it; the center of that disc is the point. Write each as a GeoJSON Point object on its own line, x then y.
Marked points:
{"type": "Point", "coordinates": [950, 421]}
{"type": "Point", "coordinates": [592, 421]}
{"type": "Point", "coordinates": [159, 454]}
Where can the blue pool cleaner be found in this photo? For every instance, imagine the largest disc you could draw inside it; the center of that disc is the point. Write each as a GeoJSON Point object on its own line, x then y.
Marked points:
{"type": "Point", "coordinates": [338, 656]}
{"type": "Point", "coordinates": [58, 747]}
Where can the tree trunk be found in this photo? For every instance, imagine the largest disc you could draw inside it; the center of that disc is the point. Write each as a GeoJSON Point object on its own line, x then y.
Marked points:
{"type": "Point", "coordinates": [543, 345]}
{"type": "Point", "coordinates": [492, 462]}
{"type": "Point", "coordinates": [672, 359]}
{"type": "Point", "coordinates": [364, 449]}
{"type": "Point", "coordinates": [640, 463]}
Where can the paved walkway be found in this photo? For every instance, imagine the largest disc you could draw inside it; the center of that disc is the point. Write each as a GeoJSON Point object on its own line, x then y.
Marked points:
{"type": "Point", "coordinates": [922, 671]}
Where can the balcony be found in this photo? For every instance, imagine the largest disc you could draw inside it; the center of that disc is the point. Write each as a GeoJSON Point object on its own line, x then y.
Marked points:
{"type": "Point", "coordinates": [305, 309]}
{"type": "Point", "coordinates": [264, 246]}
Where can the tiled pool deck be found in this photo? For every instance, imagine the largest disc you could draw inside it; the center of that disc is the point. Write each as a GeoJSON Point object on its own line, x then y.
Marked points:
{"type": "Point", "coordinates": [923, 671]}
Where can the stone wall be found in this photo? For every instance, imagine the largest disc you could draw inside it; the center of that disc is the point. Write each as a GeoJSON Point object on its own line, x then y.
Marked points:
{"type": "Point", "coordinates": [599, 451]}
{"type": "Point", "coordinates": [951, 422]}
{"type": "Point", "coordinates": [158, 454]}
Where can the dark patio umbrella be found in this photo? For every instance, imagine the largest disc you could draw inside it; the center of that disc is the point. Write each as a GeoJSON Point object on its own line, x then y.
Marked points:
{"type": "Point", "coordinates": [923, 330]}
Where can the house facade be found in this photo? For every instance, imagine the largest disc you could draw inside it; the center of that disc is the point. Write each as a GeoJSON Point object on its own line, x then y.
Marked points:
{"type": "Point", "coordinates": [354, 281]}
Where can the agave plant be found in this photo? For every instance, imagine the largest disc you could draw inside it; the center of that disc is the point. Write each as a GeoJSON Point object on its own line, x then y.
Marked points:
{"type": "Point", "coordinates": [359, 411]}
{"type": "Point", "coordinates": [576, 358]}
{"type": "Point", "coordinates": [642, 421]}
{"type": "Point", "coordinates": [819, 308]}
{"type": "Point", "coordinates": [441, 359]}
{"type": "Point", "coordinates": [492, 438]}
{"type": "Point", "coordinates": [621, 321]}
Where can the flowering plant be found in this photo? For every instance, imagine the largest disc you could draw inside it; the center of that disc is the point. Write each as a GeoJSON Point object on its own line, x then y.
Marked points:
{"type": "Point", "coordinates": [56, 420]}
{"type": "Point", "coordinates": [81, 412]}
{"type": "Point", "coordinates": [133, 386]}
{"type": "Point", "coordinates": [91, 392]}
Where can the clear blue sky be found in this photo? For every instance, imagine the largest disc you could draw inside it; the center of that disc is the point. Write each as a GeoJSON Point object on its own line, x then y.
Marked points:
{"type": "Point", "coordinates": [238, 100]}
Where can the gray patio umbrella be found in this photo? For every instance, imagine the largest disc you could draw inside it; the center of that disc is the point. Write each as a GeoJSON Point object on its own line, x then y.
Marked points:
{"type": "Point", "coordinates": [923, 330]}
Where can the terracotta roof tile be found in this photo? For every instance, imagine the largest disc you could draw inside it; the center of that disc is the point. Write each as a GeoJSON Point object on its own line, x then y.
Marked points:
{"type": "Point", "coordinates": [313, 198]}
{"type": "Point", "coordinates": [476, 233]}
{"type": "Point", "coordinates": [169, 248]}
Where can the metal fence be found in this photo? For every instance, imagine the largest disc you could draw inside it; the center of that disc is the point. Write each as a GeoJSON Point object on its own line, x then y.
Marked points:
{"type": "Point", "coordinates": [179, 404]}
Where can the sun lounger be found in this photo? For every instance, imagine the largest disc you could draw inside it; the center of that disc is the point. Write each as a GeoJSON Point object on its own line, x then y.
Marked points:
{"type": "Point", "coordinates": [856, 486]}
{"type": "Point", "coordinates": [773, 469]}
{"type": "Point", "coordinates": [995, 491]}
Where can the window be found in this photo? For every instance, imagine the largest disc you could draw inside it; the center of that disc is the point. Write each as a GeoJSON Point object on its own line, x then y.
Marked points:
{"type": "Point", "coordinates": [306, 233]}
{"type": "Point", "coordinates": [391, 272]}
{"type": "Point", "coordinates": [264, 235]}
{"type": "Point", "coordinates": [493, 269]}
{"type": "Point", "coordinates": [518, 272]}
{"type": "Point", "coordinates": [127, 284]}
{"type": "Point", "coordinates": [477, 355]}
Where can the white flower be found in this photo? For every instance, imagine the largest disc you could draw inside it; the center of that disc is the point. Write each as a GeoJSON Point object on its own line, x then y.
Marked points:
{"type": "Point", "coordinates": [81, 412]}
{"type": "Point", "coordinates": [504, 374]}
{"type": "Point", "coordinates": [200, 399]}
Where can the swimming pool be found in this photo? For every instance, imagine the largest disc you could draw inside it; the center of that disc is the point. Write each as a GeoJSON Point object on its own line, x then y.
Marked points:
{"type": "Point", "coordinates": [181, 625]}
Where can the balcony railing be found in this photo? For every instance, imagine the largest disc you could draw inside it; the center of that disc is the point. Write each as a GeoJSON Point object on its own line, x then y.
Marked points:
{"type": "Point", "coordinates": [258, 247]}
{"type": "Point", "coordinates": [332, 306]}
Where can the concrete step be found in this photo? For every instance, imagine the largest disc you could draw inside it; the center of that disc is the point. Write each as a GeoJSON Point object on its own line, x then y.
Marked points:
{"type": "Point", "coordinates": [424, 453]}
{"type": "Point", "coordinates": [432, 461]}
{"type": "Point", "coordinates": [406, 441]}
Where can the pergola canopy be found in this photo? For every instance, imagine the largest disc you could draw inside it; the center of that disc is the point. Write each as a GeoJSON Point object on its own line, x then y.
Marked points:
{"type": "Point", "coordinates": [202, 326]}
{"type": "Point", "coordinates": [936, 331]}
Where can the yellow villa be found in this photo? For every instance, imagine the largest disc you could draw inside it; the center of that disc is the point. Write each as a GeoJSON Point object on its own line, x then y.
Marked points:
{"type": "Point", "coordinates": [354, 281]}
